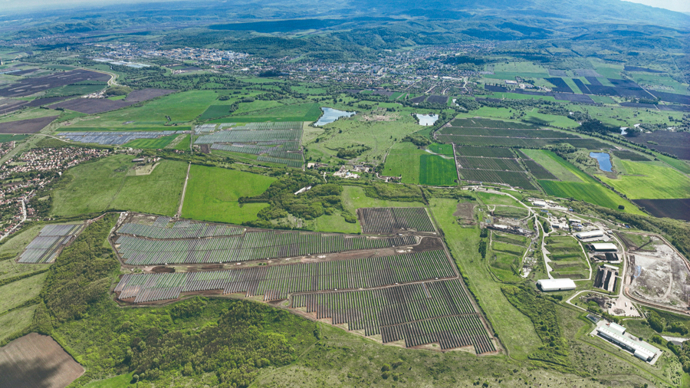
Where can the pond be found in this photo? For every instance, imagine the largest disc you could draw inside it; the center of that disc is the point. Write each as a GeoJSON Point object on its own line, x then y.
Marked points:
{"type": "Point", "coordinates": [426, 120]}
{"type": "Point", "coordinates": [330, 115]}
{"type": "Point", "coordinates": [604, 160]}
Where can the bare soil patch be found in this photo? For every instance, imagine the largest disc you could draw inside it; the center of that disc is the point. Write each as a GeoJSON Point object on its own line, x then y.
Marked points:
{"type": "Point", "coordinates": [26, 126]}
{"type": "Point", "coordinates": [37, 361]}
{"type": "Point", "coordinates": [29, 86]}
{"type": "Point", "coordinates": [465, 212]}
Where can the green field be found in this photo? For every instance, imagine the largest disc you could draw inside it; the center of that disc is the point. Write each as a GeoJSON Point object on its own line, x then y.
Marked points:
{"type": "Point", "coordinates": [184, 144]}
{"type": "Point", "coordinates": [15, 321]}
{"type": "Point", "coordinates": [159, 143]}
{"type": "Point", "coordinates": [309, 111]}
{"type": "Point", "coordinates": [212, 194]}
{"type": "Point", "coordinates": [354, 198]}
{"type": "Point", "coordinates": [404, 160]}
{"type": "Point", "coordinates": [585, 188]}
{"type": "Point", "coordinates": [75, 89]}
{"type": "Point", "coordinates": [436, 170]}
{"type": "Point", "coordinates": [181, 107]}
{"type": "Point", "coordinates": [104, 184]}
{"type": "Point", "coordinates": [650, 180]}
{"type": "Point", "coordinates": [553, 163]}
{"type": "Point", "coordinates": [441, 149]}
{"type": "Point", "coordinates": [4, 138]}
{"type": "Point", "coordinates": [10, 268]}
{"type": "Point", "coordinates": [515, 330]}
{"type": "Point", "coordinates": [18, 292]}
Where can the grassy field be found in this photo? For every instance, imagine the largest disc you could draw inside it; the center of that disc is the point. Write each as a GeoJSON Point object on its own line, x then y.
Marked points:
{"type": "Point", "coordinates": [309, 111]}
{"type": "Point", "coordinates": [334, 223]}
{"type": "Point", "coordinates": [10, 268]}
{"type": "Point", "coordinates": [435, 170]}
{"type": "Point", "coordinates": [15, 321]}
{"type": "Point", "coordinates": [183, 145]}
{"type": "Point", "coordinates": [354, 198]}
{"type": "Point", "coordinates": [113, 382]}
{"type": "Point", "coordinates": [582, 187]}
{"type": "Point", "coordinates": [379, 136]}
{"type": "Point", "coordinates": [20, 291]}
{"type": "Point", "coordinates": [678, 164]}
{"type": "Point", "coordinates": [181, 107]}
{"type": "Point", "coordinates": [157, 193]}
{"type": "Point", "coordinates": [404, 160]}
{"type": "Point", "coordinates": [104, 184]}
{"type": "Point", "coordinates": [212, 194]}
{"type": "Point", "coordinates": [553, 163]}
{"type": "Point", "coordinates": [4, 138]}
{"type": "Point", "coordinates": [514, 329]}
{"type": "Point", "coordinates": [161, 142]}
{"type": "Point", "coordinates": [650, 180]}
{"type": "Point", "coordinates": [441, 149]}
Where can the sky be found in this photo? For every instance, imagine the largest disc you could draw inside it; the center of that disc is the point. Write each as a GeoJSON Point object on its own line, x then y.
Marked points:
{"type": "Point", "coordinates": [16, 5]}
{"type": "Point", "coordinates": [673, 5]}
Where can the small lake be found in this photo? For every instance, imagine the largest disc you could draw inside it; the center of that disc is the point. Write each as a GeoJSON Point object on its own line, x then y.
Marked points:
{"type": "Point", "coordinates": [604, 160]}
{"type": "Point", "coordinates": [426, 120]}
{"type": "Point", "coordinates": [330, 115]}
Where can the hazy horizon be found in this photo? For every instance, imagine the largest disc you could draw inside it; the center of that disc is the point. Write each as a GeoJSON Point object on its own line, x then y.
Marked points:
{"type": "Point", "coordinates": [14, 6]}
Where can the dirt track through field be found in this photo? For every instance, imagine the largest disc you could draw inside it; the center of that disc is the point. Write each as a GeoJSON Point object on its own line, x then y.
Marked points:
{"type": "Point", "coordinates": [36, 361]}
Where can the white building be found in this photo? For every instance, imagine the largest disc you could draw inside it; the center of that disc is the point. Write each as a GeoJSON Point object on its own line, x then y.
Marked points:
{"type": "Point", "coordinates": [588, 235]}
{"type": "Point", "coordinates": [547, 285]}
{"type": "Point", "coordinates": [616, 334]}
{"type": "Point", "coordinates": [604, 247]}
{"type": "Point", "coordinates": [539, 203]}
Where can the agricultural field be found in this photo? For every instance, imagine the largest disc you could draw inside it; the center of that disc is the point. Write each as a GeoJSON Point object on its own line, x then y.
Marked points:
{"type": "Point", "coordinates": [158, 143]}
{"type": "Point", "coordinates": [435, 170]}
{"type": "Point", "coordinates": [36, 360]}
{"type": "Point", "coordinates": [649, 180]}
{"type": "Point", "coordinates": [309, 111]}
{"type": "Point", "coordinates": [17, 293]}
{"type": "Point", "coordinates": [107, 184]}
{"type": "Point", "coordinates": [392, 220]}
{"type": "Point", "coordinates": [575, 183]}
{"type": "Point", "coordinates": [375, 138]}
{"type": "Point", "coordinates": [505, 258]}
{"type": "Point", "coordinates": [670, 208]}
{"type": "Point", "coordinates": [213, 194]}
{"type": "Point", "coordinates": [404, 159]}
{"type": "Point", "coordinates": [14, 322]}
{"type": "Point", "coordinates": [180, 107]}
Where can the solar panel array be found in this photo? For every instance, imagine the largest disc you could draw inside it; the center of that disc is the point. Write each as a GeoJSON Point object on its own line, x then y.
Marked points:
{"type": "Point", "coordinates": [277, 282]}
{"type": "Point", "coordinates": [433, 312]}
{"type": "Point", "coordinates": [177, 231]}
{"type": "Point", "coordinates": [44, 247]}
{"type": "Point", "coordinates": [252, 245]}
{"type": "Point", "coordinates": [273, 142]}
{"type": "Point", "coordinates": [386, 220]}
{"type": "Point", "coordinates": [115, 138]}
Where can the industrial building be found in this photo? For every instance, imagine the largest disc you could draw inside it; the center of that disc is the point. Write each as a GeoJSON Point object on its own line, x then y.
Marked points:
{"type": "Point", "coordinates": [606, 278]}
{"type": "Point", "coordinates": [590, 234]}
{"type": "Point", "coordinates": [548, 285]}
{"type": "Point", "coordinates": [603, 247]}
{"type": "Point", "coordinates": [615, 334]}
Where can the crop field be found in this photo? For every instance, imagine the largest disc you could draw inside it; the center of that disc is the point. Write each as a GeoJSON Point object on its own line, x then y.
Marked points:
{"type": "Point", "coordinates": [554, 164]}
{"type": "Point", "coordinates": [76, 89]}
{"type": "Point", "coordinates": [630, 155]}
{"type": "Point", "coordinates": [8, 138]}
{"type": "Point", "coordinates": [538, 171]}
{"type": "Point", "coordinates": [37, 361]}
{"type": "Point", "coordinates": [436, 170]}
{"type": "Point", "coordinates": [158, 143]}
{"type": "Point", "coordinates": [441, 149]}
{"type": "Point", "coordinates": [674, 143]}
{"type": "Point", "coordinates": [519, 142]}
{"type": "Point", "coordinates": [213, 194]}
{"type": "Point", "coordinates": [251, 245]}
{"type": "Point", "coordinates": [648, 180]}
{"type": "Point", "coordinates": [513, 178]}
{"type": "Point", "coordinates": [133, 139]}
{"type": "Point", "coordinates": [310, 111]}
{"type": "Point", "coordinates": [279, 281]}
{"type": "Point", "coordinates": [404, 160]}
{"type": "Point", "coordinates": [46, 246]}
{"type": "Point", "coordinates": [672, 208]}
{"type": "Point", "coordinates": [500, 132]}
{"type": "Point", "coordinates": [105, 184]}
{"type": "Point", "coordinates": [272, 142]}
{"type": "Point", "coordinates": [488, 152]}
{"type": "Point", "coordinates": [26, 126]}
{"type": "Point", "coordinates": [435, 312]}
{"type": "Point", "coordinates": [488, 123]}
{"type": "Point", "coordinates": [389, 220]}
{"type": "Point", "coordinates": [179, 107]}
{"type": "Point", "coordinates": [29, 86]}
